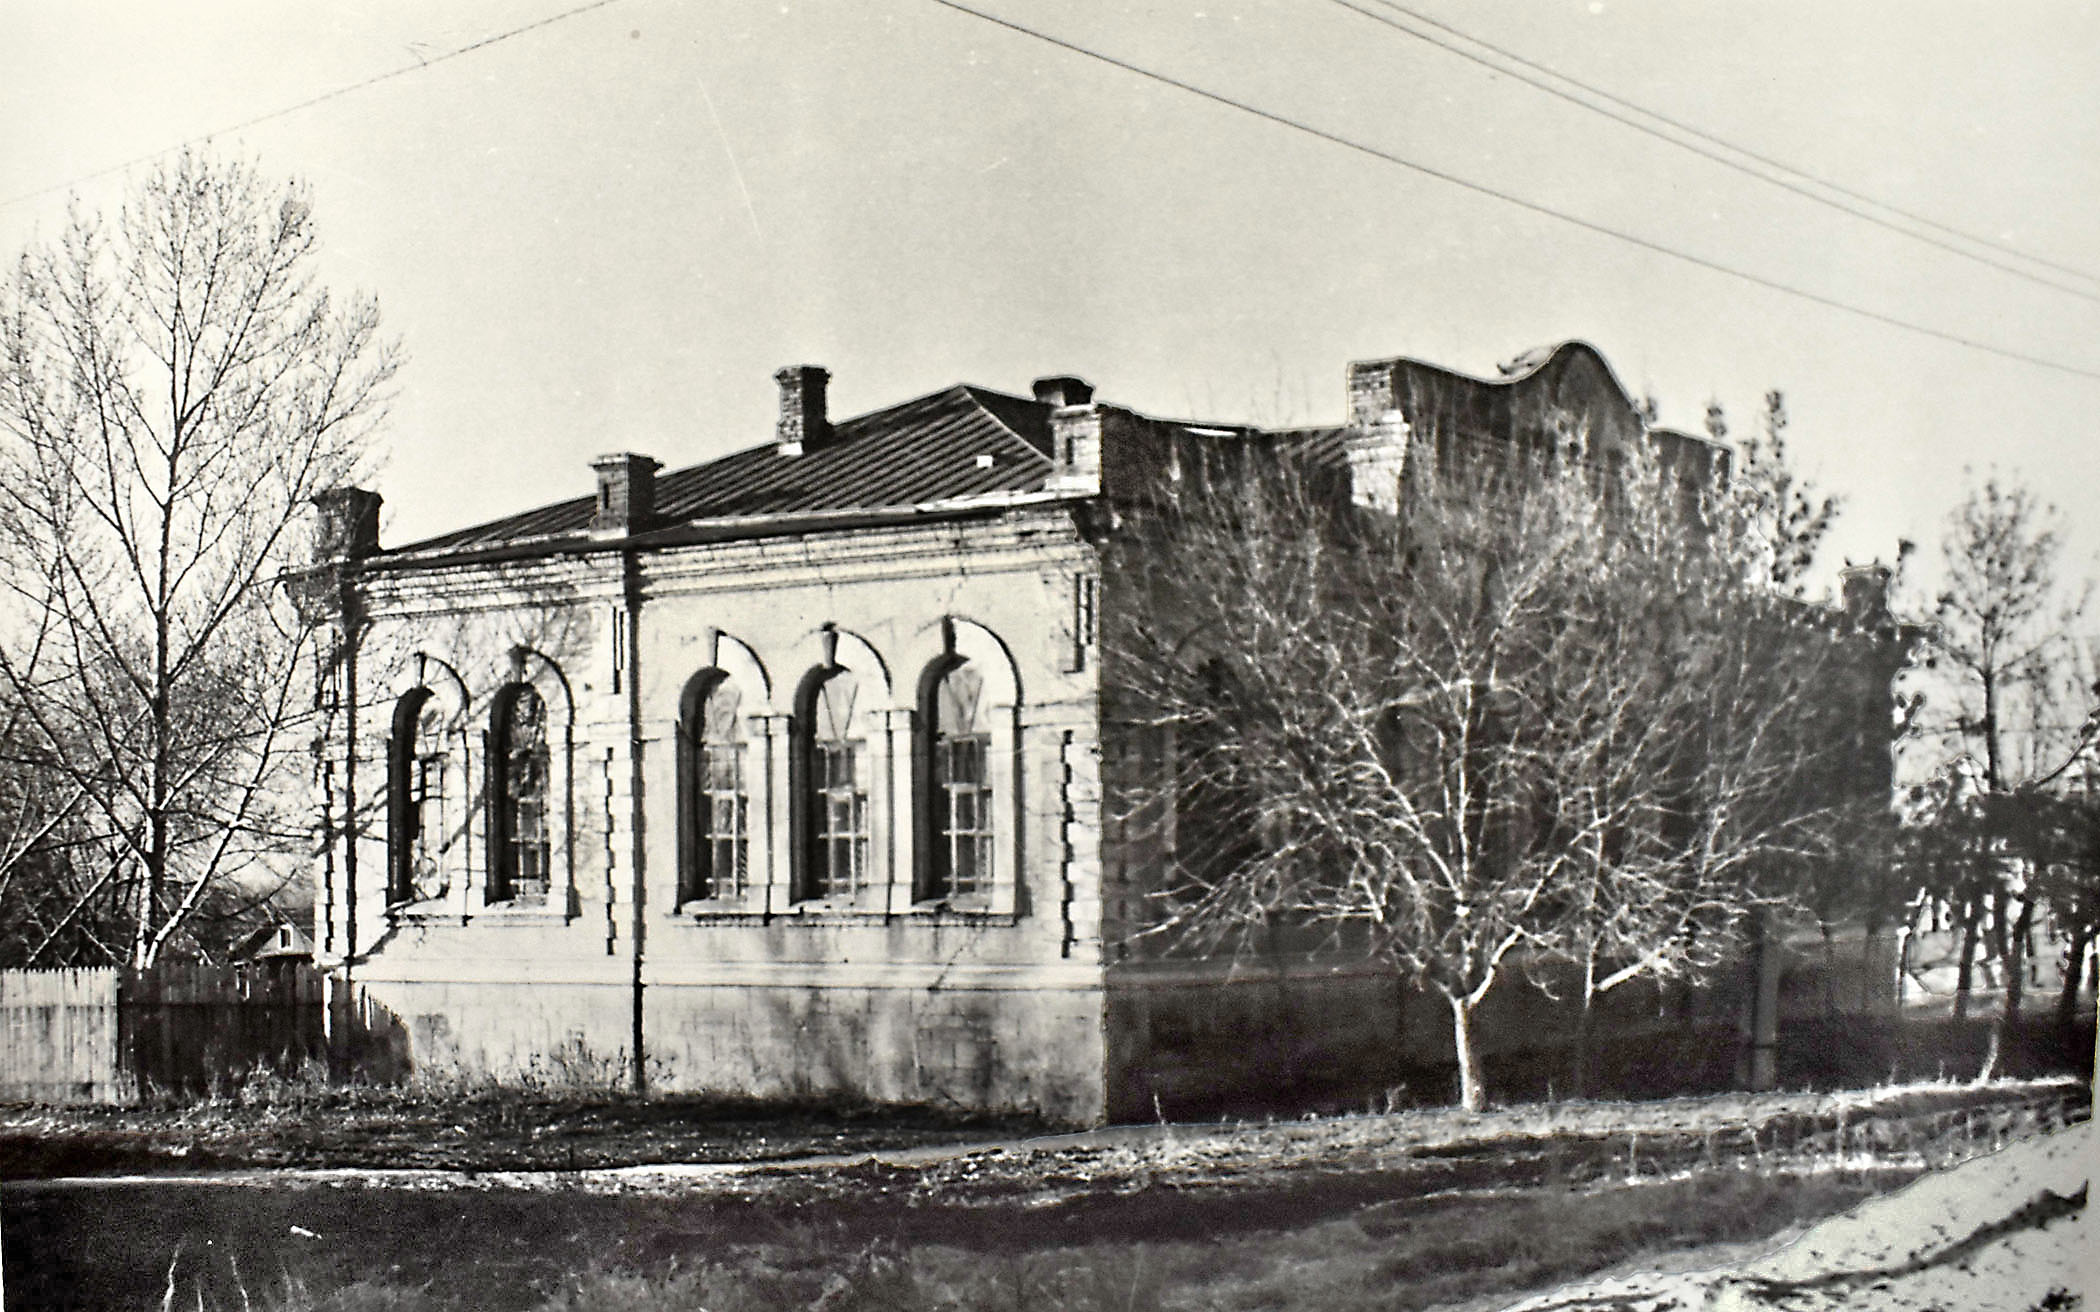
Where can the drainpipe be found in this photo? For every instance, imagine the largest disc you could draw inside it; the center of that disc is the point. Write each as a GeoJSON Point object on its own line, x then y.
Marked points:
{"type": "Point", "coordinates": [631, 587]}
{"type": "Point", "coordinates": [350, 695]}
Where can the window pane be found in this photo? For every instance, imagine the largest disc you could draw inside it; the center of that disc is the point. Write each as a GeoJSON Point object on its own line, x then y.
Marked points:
{"type": "Point", "coordinates": [525, 770]}
{"type": "Point", "coordinates": [835, 801]}
{"type": "Point", "coordinates": [715, 778]}
{"type": "Point", "coordinates": [428, 823]}
{"type": "Point", "coordinates": [962, 816]}
{"type": "Point", "coordinates": [955, 707]}
{"type": "Point", "coordinates": [718, 717]}
{"type": "Point", "coordinates": [835, 706]}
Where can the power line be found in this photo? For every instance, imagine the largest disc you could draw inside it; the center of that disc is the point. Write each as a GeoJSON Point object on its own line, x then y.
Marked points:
{"type": "Point", "coordinates": [1633, 239]}
{"type": "Point", "coordinates": [1806, 188]}
{"type": "Point", "coordinates": [1744, 151]}
{"type": "Point", "coordinates": [472, 46]}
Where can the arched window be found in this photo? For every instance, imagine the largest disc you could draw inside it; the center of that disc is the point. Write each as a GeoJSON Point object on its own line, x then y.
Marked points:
{"type": "Point", "coordinates": [518, 764]}
{"type": "Point", "coordinates": [713, 802]}
{"type": "Point", "coordinates": [831, 760]}
{"type": "Point", "coordinates": [956, 825]}
{"type": "Point", "coordinates": [417, 785]}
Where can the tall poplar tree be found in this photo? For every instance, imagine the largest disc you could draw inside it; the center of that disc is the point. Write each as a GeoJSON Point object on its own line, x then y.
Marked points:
{"type": "Point", "coordinates": [175, 386]}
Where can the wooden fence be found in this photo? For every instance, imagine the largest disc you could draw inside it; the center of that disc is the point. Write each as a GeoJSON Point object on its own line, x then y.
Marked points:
{"type": "Point", "coordinates": [59, 1043]}
{"type": "Point", "coordinates": [185, 1030]}
{"type": "Point", "coordinates": [191, 1029]}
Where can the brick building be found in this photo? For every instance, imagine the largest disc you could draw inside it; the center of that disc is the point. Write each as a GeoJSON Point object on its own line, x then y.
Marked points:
{"type": "Point", "coordinates": [780, 774]}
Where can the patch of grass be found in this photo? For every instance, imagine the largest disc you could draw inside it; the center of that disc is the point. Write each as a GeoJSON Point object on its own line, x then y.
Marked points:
{"type": "Point", "coordinates": [273, 1123]}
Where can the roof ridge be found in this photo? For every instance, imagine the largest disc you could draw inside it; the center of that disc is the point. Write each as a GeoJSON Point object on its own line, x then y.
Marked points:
{"type": "Point", "coordinates": [925, 448]}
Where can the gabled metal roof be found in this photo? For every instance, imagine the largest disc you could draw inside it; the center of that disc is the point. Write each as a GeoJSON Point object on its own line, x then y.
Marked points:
{"type": "Point", "coordinates": [932, 449]}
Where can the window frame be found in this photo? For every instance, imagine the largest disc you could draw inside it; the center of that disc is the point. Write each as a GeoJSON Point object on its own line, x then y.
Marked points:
{"type": "Point", "coordinates": [502, 887]}
{"type": "Point", "coordinates": [821, 793]}
{"type": "Point", "coordinates": [937, 791]}
{"type": "Point", "coordinates": [405, 815]}
{"type": "Point", "coordinates": [701, 843]}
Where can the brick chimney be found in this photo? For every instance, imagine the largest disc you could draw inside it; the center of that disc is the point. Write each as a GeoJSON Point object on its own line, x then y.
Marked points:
{"type": "Point", "coordinates": [626, 494]}
{"type": "Point", "coordinates": [1376, 444]}
{"type": "Point", "coordinates": [1075, 433]}
{"type": "Point", "coordinates": [1865, 589]}
{"type": "Point", "coordinates": [348, 527]}
{"type": "Point", "coordinates": [1063, 390]}
{"type": "Point", "coordinates": [804, 425]}
{"type": "Point", "coordinates": [1374, 391]}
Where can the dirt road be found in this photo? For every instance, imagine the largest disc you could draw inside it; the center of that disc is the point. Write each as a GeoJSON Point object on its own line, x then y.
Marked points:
{"type": "Point", "coordinates": [1412, 1199]}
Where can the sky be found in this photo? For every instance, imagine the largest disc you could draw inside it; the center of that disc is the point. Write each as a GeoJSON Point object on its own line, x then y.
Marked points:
{"type": "Point", "coordinates": [602, 227]}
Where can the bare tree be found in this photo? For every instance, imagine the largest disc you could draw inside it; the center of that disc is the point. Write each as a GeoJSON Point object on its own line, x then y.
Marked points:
{"type": "Point", "coordinates": [2073, 887]}
{"type": "Point", "coordinates": [2057, 830]}
{"type": "Point", "coordinates": [2008, 706]}
{"type": "Point", "coordinates": [1787, 517]}
{"type": "Point", "coordinates": [1544, 711]}
{"type": "Point", "coordinates": [174, 387]}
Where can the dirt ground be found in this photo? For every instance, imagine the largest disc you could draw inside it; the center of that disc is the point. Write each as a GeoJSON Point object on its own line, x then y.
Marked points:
{"type": "Point", "coordinates": [668, 1191]}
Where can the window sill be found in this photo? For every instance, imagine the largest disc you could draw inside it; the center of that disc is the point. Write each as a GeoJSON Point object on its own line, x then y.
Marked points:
{"type": "Point", "coordinates": [871, 903]}
{"type": "Point", "coordinates": [974, 906]}
{"type": "Point", "coordinates": [500, 913]}
{"type": "Point", "coordinates": [827, 911]}
{"type": "Point", "coordinates": [930, 913]}
{"type": "Point", "coordinates": [970, 913]}
{"type": "Point", "coordinates": [710, 907]}
{"type": "Point", "coordinates": [518, 913]}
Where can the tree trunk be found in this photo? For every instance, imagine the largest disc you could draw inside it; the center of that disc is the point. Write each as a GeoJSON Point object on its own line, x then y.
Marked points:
{"type": "Point", "coordinates": [2012, 955]}
{"type": "Point", "coordinates": [1901, 984]}
{"type": "Point", "coordinates": [1585, 1029]}
{"type": "Point", "coordinates": [2074, 976]}
{"type": "Point", "coordinates": [1585, 1040]}
{"type": "Point", "coordinates": [1757, 1066]}
{"type": "Point", "coordinates": [1472, 1084]}
{"type": "Point", "coordinates": [1965, 973]}
{"type": "Point", "coordinates": [2016, 960]}
{"type": "Point", "coordinates": [1830, 971]}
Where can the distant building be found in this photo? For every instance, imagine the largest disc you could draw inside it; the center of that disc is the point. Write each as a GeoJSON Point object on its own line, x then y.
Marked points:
{"type": "Point", "coordinates": [272, 950]}
{"type": "Point", "coordinates": [781, 773]}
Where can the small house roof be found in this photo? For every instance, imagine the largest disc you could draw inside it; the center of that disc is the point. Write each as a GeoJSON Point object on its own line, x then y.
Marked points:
{"type": "Point", "coordinates": [283, 939]}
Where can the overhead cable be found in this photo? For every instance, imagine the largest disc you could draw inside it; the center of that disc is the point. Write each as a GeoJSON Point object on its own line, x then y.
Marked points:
{"type": "Point", "coordinates": [1726, 153]}
{"type": "Point", "coordinates": [1510, 198]}
{"type": "Point", "coordinates": [347, 89]}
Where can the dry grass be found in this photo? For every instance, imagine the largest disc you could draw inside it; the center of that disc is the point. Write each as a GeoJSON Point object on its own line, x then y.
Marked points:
{"type": "Point", "coordinates": [1351, 1214]}
{"type": "Point", "coordinates": [1390, 1257]}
